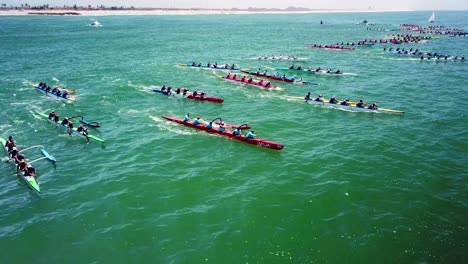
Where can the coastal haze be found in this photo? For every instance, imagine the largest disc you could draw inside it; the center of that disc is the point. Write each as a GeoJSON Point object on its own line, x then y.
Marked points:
{"type": "Point", "coordinates": [228, 4]}
{"type": "Point", "coordinates": [348, 187]}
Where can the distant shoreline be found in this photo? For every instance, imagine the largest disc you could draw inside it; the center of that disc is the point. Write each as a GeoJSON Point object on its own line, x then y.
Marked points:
{"type": "Point", "coordinates": [172, 12]}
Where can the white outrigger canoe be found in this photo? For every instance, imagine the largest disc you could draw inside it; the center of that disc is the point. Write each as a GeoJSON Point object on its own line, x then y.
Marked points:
{"type": "Point", "coordinates": [351, 107]}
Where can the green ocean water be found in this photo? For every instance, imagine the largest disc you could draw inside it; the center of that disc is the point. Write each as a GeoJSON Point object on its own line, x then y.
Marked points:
{"type": "Point", "coordinates": [348, 187]}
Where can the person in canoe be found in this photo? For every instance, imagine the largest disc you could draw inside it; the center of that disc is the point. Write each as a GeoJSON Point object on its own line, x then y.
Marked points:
{"type": "Point", "coordinates": [65, 94]}
{"type": "Point", "coordinates": [291, 67]}
{"type": "Point", "coordinates": [236, 132]}
{"type": "Point", "coordinates": [52, 115]}
{"type": "Point", "coordinates": [228, 76]}
{"type": "Point", "coordinates": [10, 141]}
{"type": "Point", "coordinates": [260, 83]}
{"type": "Point", "coordinates": [307, 97]}
{"type": "Point", "coordinates": [9, 145]}
{"type": "Point", "coordinates": [373, 106]}
{"type": "Point", "coordinates": [70, 126]}
{"type": "Point", "coordinates": [12, 154]}
{"type": "Point", "coordinates": [250, 80]}
{"type": "Point", "coordinates": [196, 121]}
{"type": "Point", "coordinates": [345, 102]}
{"type": "Point", "coordinates": [209, 125]}
{"type": "Point", "coordinates": [208, 65]}
{"type": "Point", "coordinates": [243, 79]}
{"type": "Point", "coordinates": [65, 122]}
{"type": "Point", "coordinates": [338, 72]}
{"type": "Point", "coordinates": [250, 135]}
{"type": "Point", "coordinates": [333, 100]}
{"type": "Point", "coordinates": [186, 117]}
{"type": "Point", "coordinates": [268, 85]}
{"type": "Point", "coordinates": [233, 66]}
{"type": "Point", "coordinates": [184, 91]}
{"type": "Point", "coordinates": [84, 131]}
{"type": "Point", "coordinates": [30, 171]}
{"type": "Point", "coordinates": [361, 104]}
{"type": "Point", "coordinates": [299, 68]}
{"type": "Point", "coordinates": [319, 98]}
{"type": "Point", "coordinates": [202, 94]}
{"type": "Point", "coordinates": [22, 165]}
{"type": "Point", "coordinates": [178, 90]}
{"type": "Point", "coordinates": [169, 90]}
{"type": "Point", "coordinates": [193, 64]}
{"type": "Point", "coordinates": [199, 64]}
{"type": "Point", "coordinates": [221, 128]}
{"type": "Point", "coordinates": [195, 93]}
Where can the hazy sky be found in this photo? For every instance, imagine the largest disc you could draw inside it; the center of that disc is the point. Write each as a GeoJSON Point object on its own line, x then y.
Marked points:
{"type": "Point", "coordinates": [315, 4]}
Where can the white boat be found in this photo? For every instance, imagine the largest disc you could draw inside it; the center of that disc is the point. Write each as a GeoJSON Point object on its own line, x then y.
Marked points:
{"type": "Point", "coordinates": [95, 23]}
{"type": "Point", "coordinates": [432, 18]}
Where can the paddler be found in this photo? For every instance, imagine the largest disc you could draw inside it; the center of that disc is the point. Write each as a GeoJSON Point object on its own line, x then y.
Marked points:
{"type": "Point", "coordinates": [65, 122]}
{"type": "Point", "coordinates": [21, 166]}
{"type": "Point", "coordinates": [345, 102]}
{"type": "Point", "coordinates": [30, 171]}
{"type": "Point", "coordinates": [236, 132]}
{"type": "Point", "coordinates": [250, 135]}
{"type": "Point", "coordinates": [9, 145]}
{"type": "Point", "coordinates": [307, 97]}
{"type": "Point", "coordinates": [221, 128]}
{"type": "Point", "coordinates": [84, 131]}
{"type": "Point", "coordinates": [361, 103]}
{"type": "Point", "coordinates": [186, 117]}
{"type": "Point", "coordinates": [373, 106]}
{"type": "Point", "coordinates": [319, 98]}
{"type": "Point", "coordinates": [291, 67]}
{"type": "Point", "coordinates": [52, 115]}
{"type": "Point", "coordinates": [333, 100]}
{"type": "Point", "coordinates": [196, 121]}
{"type": "Point", "coordinates": [210, 125]}
{"type": "Point", "coordinates": [70, 126]}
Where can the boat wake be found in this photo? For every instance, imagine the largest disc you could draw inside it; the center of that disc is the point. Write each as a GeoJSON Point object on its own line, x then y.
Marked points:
{"type": "Point", "coordinates": [161, 124]}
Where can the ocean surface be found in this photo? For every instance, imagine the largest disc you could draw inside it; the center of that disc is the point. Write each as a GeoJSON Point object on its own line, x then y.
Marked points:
{"type": "Point", "coordinates": [348, 187]}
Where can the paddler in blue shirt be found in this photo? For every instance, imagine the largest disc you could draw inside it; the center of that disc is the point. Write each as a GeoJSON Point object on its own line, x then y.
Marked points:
{"type": "Point", "coordinates": [250, 135]}
{"type": "Point", "coordinates": [186, 117]}
{"type": "Point", "coordinates": [210, 125]}
{"type": "Point", "coordinates": [196, 121]}
{"type": "Point", "coordinates": [221, 128]}
{"type": "Point", "coordinates": [236, 132]}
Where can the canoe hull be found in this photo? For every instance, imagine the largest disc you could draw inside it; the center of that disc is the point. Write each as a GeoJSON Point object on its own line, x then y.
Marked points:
{"type": "Point", "coordinates": [256, 141]}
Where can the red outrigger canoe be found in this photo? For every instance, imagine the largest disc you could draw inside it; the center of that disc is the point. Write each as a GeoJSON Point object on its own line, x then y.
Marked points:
{"type": "Point", "coordinates": [256, 141]}
{"type": "Point", "coordinates": [260, 84]}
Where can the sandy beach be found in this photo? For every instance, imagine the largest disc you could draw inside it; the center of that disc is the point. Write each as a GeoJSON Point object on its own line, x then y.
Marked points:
{"type": "Point", "coordinates": [162, 12]}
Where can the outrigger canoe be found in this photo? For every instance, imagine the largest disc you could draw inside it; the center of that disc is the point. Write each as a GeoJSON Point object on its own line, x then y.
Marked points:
{"type": "Point", "coordinates": [74, 132]}
{"type": "Point", "coordinates": [277, 78]}
{"type": "Point", "coordinates": [211, 67]}
{"type": "Point", "coordinates": [31, 181]}
{"type": "Point", "coordinates": [260, 84]}
{"type": "Point", "coordinates": [320, 71]}
{"type": "Point", "coordinates": [53, 95]}
{"type": "Point", "coordinates": [330, 47]}
{"type": "Point", "coordinates": [188, 96]}
{"type": "Point", "coordinates": [351, 107]}
{"type": "Point", "coordinates": [256, 141]}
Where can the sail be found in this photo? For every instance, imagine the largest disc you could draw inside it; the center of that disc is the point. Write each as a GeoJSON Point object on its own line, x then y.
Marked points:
{"type": "Point", "coordinates": [432, 18]}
